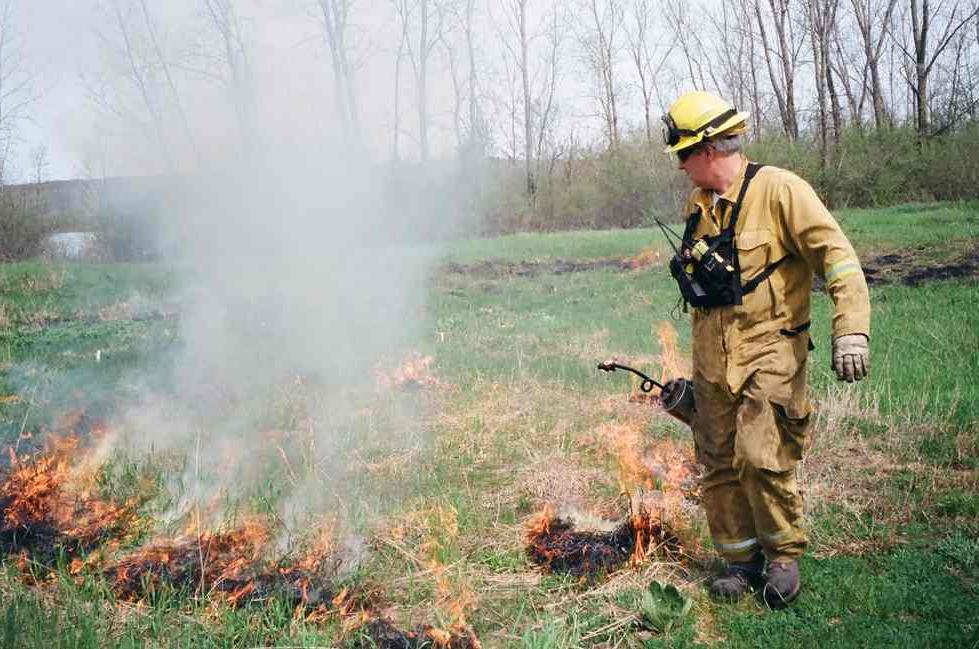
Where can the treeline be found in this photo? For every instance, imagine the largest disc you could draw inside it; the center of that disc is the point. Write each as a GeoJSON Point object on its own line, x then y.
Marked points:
{"type": "Point", "coordinates": [629, 185]}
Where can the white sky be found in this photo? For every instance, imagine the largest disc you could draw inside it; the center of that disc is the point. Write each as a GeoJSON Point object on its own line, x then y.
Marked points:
{"type": "Point", "coordinates": [61, 49]}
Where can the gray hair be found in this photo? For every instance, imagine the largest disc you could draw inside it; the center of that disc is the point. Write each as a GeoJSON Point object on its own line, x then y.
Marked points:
{"type": "Point", "coordinates": [725, 145]}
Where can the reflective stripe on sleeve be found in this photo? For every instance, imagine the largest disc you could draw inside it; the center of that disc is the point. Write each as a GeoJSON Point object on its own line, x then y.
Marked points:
{"type": "Point", "coordinates": [842, 269]}
{"type": "Point", "coordinates": [739, 545]}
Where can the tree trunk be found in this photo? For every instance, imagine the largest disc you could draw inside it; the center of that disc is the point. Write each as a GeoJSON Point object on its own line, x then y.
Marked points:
{"type": "Point", "coordinates": [528, 124]}
{"type": "Point", "coordinates": [422, 83]}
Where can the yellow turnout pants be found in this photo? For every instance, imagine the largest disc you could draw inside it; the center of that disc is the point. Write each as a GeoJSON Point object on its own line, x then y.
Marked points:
{"type": "Point", "coordinates": [750, 446]}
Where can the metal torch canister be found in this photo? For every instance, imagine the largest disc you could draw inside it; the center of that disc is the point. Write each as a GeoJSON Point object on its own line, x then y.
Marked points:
{"type": "Point", "coordinates": [677, 399]}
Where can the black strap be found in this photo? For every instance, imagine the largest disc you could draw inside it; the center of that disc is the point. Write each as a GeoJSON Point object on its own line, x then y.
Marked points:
{"type": "Point", "coordinates": [749, 174]}
{"type": "Point", "coordinates": [691, 227]}
{"type": "Point", "coordinates": [792, 333]}
{"type": "Point", "coordinates": [694, 219]}
{"type": "Point", "coordinates": [714, 123]}
{"type": "Point", "coordinates": [753, 283]}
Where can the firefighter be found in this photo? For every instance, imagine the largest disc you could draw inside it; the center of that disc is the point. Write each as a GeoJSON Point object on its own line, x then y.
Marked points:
{"type": "Point", "coordinates": [754, 236]}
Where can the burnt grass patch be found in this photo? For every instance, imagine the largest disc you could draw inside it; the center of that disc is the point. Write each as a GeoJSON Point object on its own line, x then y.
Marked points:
{"type": "Point", "coordinates": [556, 546]}
{"type": "Point", "coordinates": [909, 267]}
{"type": "Point", "coordinates": [381, 633]}
{"type": "Point", "coordinates": [906, 267]}
{"type": "Point", "coordinates": [496, 269]}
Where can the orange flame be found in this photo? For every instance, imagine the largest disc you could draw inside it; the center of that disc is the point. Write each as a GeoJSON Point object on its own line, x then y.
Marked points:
{"type": "Point", "coordinates": [414, 372]}
{"type": "Point", "coordinates": [670, 361]}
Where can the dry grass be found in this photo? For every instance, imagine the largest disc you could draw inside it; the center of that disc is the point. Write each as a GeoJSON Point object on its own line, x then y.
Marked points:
{"type": "Point", "coordinates": [848, 471]}
{"type": "Point", "coordinates": [47, 280]}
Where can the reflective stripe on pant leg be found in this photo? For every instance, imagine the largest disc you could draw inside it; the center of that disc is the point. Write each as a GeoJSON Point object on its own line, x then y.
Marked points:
{"type": "Point", "coordinates": [747, 546]}
{"type": "Point", "coordinates": [728, 509]}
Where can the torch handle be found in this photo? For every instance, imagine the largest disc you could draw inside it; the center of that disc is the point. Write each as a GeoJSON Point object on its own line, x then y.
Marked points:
{"type": "Point", "coordinates": [647, 384]}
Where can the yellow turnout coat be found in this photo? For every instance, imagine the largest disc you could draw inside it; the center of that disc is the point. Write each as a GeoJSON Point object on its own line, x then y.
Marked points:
{"type": "Point", "coordinates": [749, 360]}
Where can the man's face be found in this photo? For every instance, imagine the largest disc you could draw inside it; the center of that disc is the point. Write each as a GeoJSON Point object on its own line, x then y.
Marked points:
{"type": "Point", "coordinates": [697, 165]}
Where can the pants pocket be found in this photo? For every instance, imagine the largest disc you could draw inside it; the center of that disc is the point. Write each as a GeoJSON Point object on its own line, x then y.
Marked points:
{"type": "Point", "coordinates": [792, 427]}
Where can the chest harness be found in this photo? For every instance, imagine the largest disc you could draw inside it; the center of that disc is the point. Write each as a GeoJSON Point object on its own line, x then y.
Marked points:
{"type": "Point", "coordinates": [707, 269]}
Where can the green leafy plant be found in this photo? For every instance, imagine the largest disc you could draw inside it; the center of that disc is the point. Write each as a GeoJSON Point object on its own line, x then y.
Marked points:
{"type": "Point", "coordinates": [661, 607]}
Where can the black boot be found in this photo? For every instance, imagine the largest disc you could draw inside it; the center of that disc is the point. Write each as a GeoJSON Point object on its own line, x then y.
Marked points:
{"type": "Point", "coordinates": [738, 580]}
{"type": "Point", "coordinates": [781, 583]}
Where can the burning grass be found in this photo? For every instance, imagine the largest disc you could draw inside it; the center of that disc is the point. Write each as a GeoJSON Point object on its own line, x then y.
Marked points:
{"type": "Point", "coordinates": [554, 543]}
{"type": "Point", "coordinates": [49, 507]}
{"type": "Point", "coordinates": [52, 506]}
{"type": "Point", "coordinates": [232, 566]}
{"type": "Point", "coordinates": [413, 373]}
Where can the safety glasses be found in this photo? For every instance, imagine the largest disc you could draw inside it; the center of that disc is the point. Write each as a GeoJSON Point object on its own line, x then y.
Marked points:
{"type": "Point", "coordinates": [684, 154]}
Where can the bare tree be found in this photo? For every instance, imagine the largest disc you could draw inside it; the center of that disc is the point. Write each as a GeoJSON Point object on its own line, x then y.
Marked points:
{"type": "Point", "coordinates": [139, 88]}
{"type": "Point", "coordinates": [421, 24]}
{"type": "Point", "coordinates": [398, 59]}
{"type": "Point", "coordinates": [517, 67]}
{"type": "Point", "coordinates": [821, 17]}
{"type": "Point", "coordinates": [519, 9]}
{"type": "Point", "coordinates": [686, 33]}
{"type": "Point", "coordinates": [545, 102]}
{"type": "Point", "coordinates": [39, 164]}
{"type": "Point", "coordinates": [477, 127]}
{"type": "Point", "coordinates": [853, 79]}
{"type": "Point", "coordinates": [232, 57]}
{"type": "Point", "coordinates": [781, 57]}
{"type": "Point", "coordinates": [17, 93]}
{"type": "Point", "coordinates": [959, 89]}
{"type": "Point", "coordinates": [871, 15]}
{"type": "Point", "coordinates": [336, 15]}
{"type": "Point", "coordinates": [122, 38]}
{"type": "Point", "coordinates": [925, 52]}
{"type": "Point", "coordinates": [163, 63]}
{"type": "Point", "coordinates": [532, 74]}
{"type": "Point", "coordinates": [648, 58]}
{"type": "Point", "coordinates": [600, 46]}
{"type": "Point", "coordinates": [459, 90]}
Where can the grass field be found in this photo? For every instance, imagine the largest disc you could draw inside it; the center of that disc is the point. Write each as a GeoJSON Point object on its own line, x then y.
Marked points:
{"type": "Point", "coordinates": [519, 418]}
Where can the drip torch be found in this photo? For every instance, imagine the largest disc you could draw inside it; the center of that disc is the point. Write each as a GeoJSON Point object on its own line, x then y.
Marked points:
{"type": "Point", "coordinates": [676, 396]}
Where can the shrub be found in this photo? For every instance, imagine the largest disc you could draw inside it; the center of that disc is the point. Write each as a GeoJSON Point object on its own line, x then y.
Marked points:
{"type": "Point", "coordinates": [22, 228]}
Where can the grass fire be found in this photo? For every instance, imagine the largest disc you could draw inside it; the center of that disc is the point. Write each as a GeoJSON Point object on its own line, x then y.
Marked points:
{"type": "Point", "coordinates": [555, 544]}
{"type": "Point", "coordinates": [489, 489]}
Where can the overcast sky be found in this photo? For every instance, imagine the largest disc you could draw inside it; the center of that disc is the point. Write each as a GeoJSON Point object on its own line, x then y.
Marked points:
{"type": "Point", "coordinates": [68, 49]}
{"type": "Point", "coordinates": [71, 50]}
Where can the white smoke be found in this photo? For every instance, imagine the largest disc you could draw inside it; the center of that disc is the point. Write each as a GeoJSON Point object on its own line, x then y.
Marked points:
{"type": "Point", "coordinates": [300, 273]}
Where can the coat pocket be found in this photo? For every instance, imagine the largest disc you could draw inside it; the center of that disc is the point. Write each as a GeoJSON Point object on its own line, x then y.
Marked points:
{"type": "Point", "coordinates": [755, 249]}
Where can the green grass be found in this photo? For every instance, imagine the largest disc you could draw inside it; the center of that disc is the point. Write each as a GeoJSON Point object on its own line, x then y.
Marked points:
{"type": "Point", "coordinates": [586, 244]}
{"type": "Point", "coordinates": [896, 564]}
{"type": "Point", "coordinates": [870, 230]}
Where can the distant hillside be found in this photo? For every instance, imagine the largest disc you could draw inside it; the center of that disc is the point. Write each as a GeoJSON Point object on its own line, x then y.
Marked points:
{"type": "Point", "coordinates": [69, 205]}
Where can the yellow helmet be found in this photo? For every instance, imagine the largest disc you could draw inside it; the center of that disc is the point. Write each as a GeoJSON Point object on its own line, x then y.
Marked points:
{"type": "Point", "coordinates": [697, 116]}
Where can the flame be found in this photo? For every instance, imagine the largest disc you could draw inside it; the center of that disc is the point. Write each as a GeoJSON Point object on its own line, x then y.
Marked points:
{"type": "Point", "coordinates": [670, 362]}
{"type": "Point", "coordinates": [414, 372]}
{"type": "Point", "coordinates": [646, 257]}
{"type": "Point", "coordinates": [624, 442]}
{"type": "Point", "coordinates": [50, 500]}
{"type": "Point", "coordinates": [540, 524]}
{"type": "Point", "coordinates": [232, 565]}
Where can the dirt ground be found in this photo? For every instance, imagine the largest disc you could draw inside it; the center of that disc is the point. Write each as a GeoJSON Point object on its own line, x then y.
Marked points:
{"type": "Point", "coordinates": [495, 269]}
